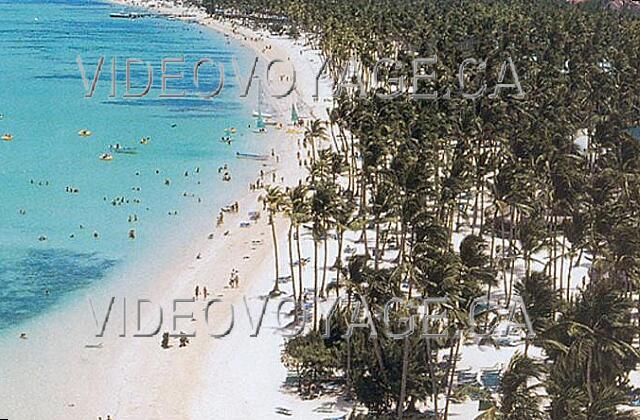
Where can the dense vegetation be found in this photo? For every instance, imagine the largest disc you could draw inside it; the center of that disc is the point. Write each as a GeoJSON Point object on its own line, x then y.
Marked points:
{"type": "Point", "coordinates": [505, 171]}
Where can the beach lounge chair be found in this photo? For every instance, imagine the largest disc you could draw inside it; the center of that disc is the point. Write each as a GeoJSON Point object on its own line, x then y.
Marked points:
{"type": "Point", "coordinates": [490, 380]}
{"type": "Point", "coordinates": [467, 378]}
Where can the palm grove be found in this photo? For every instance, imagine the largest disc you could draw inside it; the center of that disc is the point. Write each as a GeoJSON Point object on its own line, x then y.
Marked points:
{"type": "Point", "coordinates": [505, 173]}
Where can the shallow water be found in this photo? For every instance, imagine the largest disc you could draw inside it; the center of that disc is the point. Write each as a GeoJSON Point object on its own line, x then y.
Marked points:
{"type": "Point", "coordinates": [42, 99]}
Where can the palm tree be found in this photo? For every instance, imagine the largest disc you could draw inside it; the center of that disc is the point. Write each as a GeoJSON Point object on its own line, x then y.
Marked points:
{"type": "Point", "coordinates": [274, 201]}
{"type": "Point", "coordinates": [343, 219]}
{"type": "Point", "coordinates": [315, 131]}
{"type": "Point", "coordinates": [540, 301]}
{"type": "Point", "coordinates": [519, 397]}
{"type": "Point", "coordinates": [321, 212]}
{"type": "Point", "coordinates": [591, 349]}
{"type": "Point", "coordinates": [299, 212]}
{"type": "Point", "coordinates": [412, 163]}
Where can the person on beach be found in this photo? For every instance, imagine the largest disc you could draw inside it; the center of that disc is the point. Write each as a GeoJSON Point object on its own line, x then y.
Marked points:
{"type": "Point", "coordinates": [205, 292]}
{"type": "Point", "coordinates": [233, 279]}
{"type": "Point", "coordinates": [184, 341]}
{"type": "Point", "coordinates": [197, 292]}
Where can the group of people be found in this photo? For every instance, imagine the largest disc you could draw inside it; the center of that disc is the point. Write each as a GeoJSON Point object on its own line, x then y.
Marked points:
{"type": "Point", "coordinates": [204, 291]}
{"type": "Point", "coordinates": [234, 279]}
{"type": "Point", "coordinates": [184, 340]}
{"type": "Point", "coordinates": [255, 186]}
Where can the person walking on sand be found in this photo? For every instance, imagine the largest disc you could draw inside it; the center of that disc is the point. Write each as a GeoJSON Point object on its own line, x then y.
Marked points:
{"type": "Point", "coordinates": [205, 292]}
{"type": "Point", "coordinates": [197, 292]}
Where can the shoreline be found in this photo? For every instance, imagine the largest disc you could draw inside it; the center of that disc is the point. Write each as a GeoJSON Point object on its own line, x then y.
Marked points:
{"type": "Point", "coordinates": [111, 378]}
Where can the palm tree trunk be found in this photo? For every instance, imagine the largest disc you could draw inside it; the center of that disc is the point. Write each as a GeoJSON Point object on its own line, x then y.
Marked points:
{"type": "Point", "coordinates": [276, 286]}
{"type": "Point", "coordinates": [475, 211]}
{"type": "Point", "coordinates": [291, 269]}
{"type": "Point", "coordinates": [339, 260]}
{"type": "Point", "coordinates": [376, 250]}
{"type": "Point", "coordinates": [569, 275]}
{"type": "Point", "coordinates": [402, 244]}
{"type": "Point", "coordinates": [315, 284]}
{"type": "Point", "coordinates": [299, 262]}
{"type": "Point", "coordinates": [589, 386]}
{"type": "Point", "coordinates": [434, 382]}
{"type": "Point", "coordinates": [513, 256]}
{"type": "Point", "coordinates": [481, 205]}
{"type": "Point", "coordinates": [504, 253]}
{"type": "Point", "coordinates": [453, 371]}
{"type": "Point", "coordinates": [562, 255]}
{"type": "Point", "coordinates": [403, 382]}
{"type": "Point", "coordinates": [349, 363]}
{"type": "Point", "coordinates": [324, 265]}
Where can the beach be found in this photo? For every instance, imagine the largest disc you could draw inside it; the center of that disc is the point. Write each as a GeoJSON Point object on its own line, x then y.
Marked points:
{"type": "Point", "coordinates": [402, 249]}
{"type": "Point", "coordinates": [61, 370]}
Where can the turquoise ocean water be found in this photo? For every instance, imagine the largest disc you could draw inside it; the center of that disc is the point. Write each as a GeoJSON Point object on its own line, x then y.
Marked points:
{"type": "Point", "coordinates": [43, 106]}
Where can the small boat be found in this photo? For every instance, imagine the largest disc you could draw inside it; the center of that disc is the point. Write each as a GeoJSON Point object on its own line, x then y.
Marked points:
{"type": "Point", "coordinates": [118, 148]}
{"type": "Point", "coordinates": [264, 114]}
{"type": "Point", "coordinates": [85, 133]}
{"type": "Point", "coordinates": [251, 156]}
{"type": "Point", "coordinates": [7, 137]}
{"type": "Point", "coordinates": [144, 140]}
{"type": "Point", "coordinates": [271, 122]}
{"type": "Point", "coordinates": [124, 15]}
{"type": "Point", "coordinates": [260, 123]}
{"type": "Point", "coordinates": [106, 156]}
{"type": "Point", "coordinates": [126, 151]}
